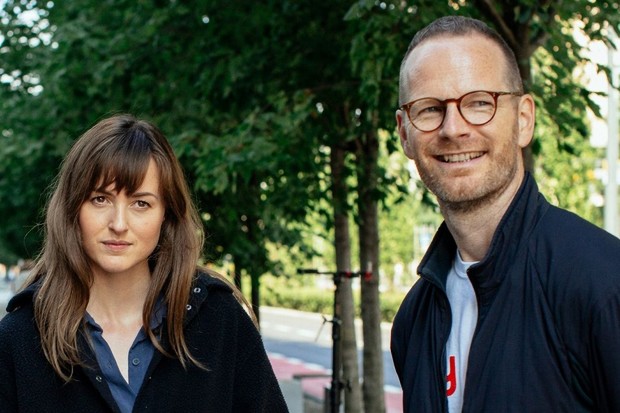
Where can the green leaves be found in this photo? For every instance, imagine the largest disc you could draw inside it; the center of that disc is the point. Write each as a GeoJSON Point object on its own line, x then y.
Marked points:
{"type": "Point", "coordinates": [250, 94]}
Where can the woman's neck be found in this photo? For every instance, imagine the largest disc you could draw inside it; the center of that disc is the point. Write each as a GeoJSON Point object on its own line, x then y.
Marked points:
{"type": "Point", "coordinates": [118, 299]}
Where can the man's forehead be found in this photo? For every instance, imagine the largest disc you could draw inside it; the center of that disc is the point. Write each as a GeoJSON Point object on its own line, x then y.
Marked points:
{"type": "Point", "coordinates": [455, 44]}
{"type": "Point", "coordinates": [467, 61]}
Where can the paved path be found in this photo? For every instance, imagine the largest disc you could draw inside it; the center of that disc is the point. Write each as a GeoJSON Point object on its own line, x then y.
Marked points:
{"type": "Point", "coordinates": [286, 369]}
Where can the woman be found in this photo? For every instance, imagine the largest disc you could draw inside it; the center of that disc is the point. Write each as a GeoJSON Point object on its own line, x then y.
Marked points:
{"type": "Point", "coordinates": [116, 316]}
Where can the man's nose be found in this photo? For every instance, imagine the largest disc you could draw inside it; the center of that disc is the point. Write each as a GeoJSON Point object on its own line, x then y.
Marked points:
{"type": "Point", "coordinates": [454, 124]}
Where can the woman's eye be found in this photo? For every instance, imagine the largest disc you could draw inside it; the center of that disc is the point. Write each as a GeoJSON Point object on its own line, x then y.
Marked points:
{"type": "Point", "coordinates": [142, 204]}
{"type": "Point", "coordinates": [98, 199]}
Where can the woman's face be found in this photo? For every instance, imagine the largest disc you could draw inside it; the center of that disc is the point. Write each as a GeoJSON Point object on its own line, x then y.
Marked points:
{"type": "Point", "coordinates": [120, 231]}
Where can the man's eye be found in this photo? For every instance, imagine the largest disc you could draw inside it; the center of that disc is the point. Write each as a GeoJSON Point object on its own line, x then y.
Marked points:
{"type": "Point", "coordinates": [429, 111]}
{"type": "Point", "coordinates": [433, 109]}
{"type": "Point", "coordinates": [481, 103]}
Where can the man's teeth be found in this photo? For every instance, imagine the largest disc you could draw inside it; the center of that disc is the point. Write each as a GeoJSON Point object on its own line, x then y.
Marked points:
{"type": "Point", "coordinates": [461, 157]}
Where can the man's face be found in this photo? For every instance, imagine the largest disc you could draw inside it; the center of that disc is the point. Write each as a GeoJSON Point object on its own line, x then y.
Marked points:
{"type": "Point", "coordinates": [462, 164]}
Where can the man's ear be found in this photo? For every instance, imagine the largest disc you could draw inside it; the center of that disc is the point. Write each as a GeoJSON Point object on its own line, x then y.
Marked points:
{"type": "Point", "coordinates": [401, 125]}
{"type": "Point", "coordinates": [527, 119]}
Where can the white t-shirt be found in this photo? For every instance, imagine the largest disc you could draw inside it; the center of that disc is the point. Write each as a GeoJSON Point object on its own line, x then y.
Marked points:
{"type": "Point", "coordinates": [464, 317]}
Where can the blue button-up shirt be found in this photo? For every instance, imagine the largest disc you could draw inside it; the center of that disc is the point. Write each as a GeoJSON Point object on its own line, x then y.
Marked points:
{"type": "Point", "coordinates": [140, 356]}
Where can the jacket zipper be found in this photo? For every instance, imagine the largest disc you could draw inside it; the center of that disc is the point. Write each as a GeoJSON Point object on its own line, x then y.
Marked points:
{"type": "Point", "coordinates": [447, 313]}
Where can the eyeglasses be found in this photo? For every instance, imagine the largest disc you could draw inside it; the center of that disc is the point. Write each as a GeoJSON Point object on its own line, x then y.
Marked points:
{"type": "Point", "coordinates": [477, 108]}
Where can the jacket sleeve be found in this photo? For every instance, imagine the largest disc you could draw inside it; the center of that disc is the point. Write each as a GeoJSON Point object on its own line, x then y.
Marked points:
{"type": "Point", "coordinates": [398, 340]}
{"type": "Point", "coordinates": [605, 356]}
{"type": "Point", "coordinates": [258, 388]}
{"type": "Point", "coordinates": [8, 391]}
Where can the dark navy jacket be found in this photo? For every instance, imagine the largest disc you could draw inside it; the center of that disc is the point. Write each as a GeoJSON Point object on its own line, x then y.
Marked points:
{"type": "Point", "coordinates": [219, 333]}
{"type": "Point", "coordinates": [548, 332]}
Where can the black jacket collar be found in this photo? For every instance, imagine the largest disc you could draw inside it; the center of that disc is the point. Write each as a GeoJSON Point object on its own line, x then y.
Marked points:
{"type": "Point", "coordinates": [518, 221]}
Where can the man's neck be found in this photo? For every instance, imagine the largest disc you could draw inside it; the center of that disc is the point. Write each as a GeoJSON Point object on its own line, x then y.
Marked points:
{"type": "Point", "coordinates": [473, 232]}
{"type": "Point", "coordinates": [473, 228]}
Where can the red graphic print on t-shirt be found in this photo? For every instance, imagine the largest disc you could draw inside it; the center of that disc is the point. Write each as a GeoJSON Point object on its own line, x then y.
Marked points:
{"type": "Point", "coordinates": [451, 377]}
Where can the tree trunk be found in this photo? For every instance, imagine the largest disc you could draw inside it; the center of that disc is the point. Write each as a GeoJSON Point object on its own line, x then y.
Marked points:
{"type": "Point", "coordinates": [342, 244]}
{"type": "Point", "coordinates": [374, 396]}
{"type": "Point", "coordinates": [526, 74]}
{"type": "Point", "coordinates": [254, 260]}
{"type": "Point", "coordinates": [255, 286]}
{"type": "Point", "coordinates": [518, 35]}
{"type": "Point", "coordinates": [237, 279]}
{"type": "Point", "coordinates": [256, 295]}
{"type": "Point", "coordinates": [523, 55]}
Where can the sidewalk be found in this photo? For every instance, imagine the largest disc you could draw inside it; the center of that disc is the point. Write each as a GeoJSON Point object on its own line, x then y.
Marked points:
{"type": "Point", "coordinates": [313, 387]}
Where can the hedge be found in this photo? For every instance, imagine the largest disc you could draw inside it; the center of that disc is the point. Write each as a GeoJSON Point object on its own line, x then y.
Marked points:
{"type": "Point", "coordinates": [313, 299]}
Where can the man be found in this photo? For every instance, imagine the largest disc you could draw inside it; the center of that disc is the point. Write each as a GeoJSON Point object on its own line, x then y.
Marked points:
{"type": "Point", "coordinates": [518, 305]}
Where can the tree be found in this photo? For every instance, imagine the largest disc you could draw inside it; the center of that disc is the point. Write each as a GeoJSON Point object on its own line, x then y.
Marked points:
{"type": "Point", "coordinates": [250, 95]}
{"type": "Point", "coordinates": [549, 25]}
{"type": "Point", "coordinates": [106, 57]}
{"type": "Point", "coordinates": [536, 31]}
{"type": "Point", "coordinates": [241, 114]}
{"type": "Point", "coordinates": [384, 30]}
{"type": "Point", "coordinates": [24, 44]}
{"type": "Point", "coordinates": [342, 244]}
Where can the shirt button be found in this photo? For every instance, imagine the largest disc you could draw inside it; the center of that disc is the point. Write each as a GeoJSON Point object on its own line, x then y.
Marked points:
{"type": "Point", "coordinates": [197, 290]}
{"type": "Point", "coordinates": [188, 307]}
{"type": "Point", "coordinates": [98, 378]}
{"type": "Point", "coordinates": [135, 361]}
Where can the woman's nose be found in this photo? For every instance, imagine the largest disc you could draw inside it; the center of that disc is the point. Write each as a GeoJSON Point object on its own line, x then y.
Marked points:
{"type": "Point", "coordinates": [118, 220]}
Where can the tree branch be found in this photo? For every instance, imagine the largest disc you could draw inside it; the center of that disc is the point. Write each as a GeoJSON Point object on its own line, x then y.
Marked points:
{"type": "Point", "coordinates": [488, 9]}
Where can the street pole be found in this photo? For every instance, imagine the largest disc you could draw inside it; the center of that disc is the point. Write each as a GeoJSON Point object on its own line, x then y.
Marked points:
{"type": "Point", "coordinates": [337, 384]}
{"type": "Point", "coordinates": [611, 189]}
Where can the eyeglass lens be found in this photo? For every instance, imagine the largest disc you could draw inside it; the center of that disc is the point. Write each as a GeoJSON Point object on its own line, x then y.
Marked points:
{"type": "Point", "coordinates": [477, 108]}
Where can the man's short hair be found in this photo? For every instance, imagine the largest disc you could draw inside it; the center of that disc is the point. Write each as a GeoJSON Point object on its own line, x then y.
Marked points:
{"type": "Point", "coordinates": [461, 26]}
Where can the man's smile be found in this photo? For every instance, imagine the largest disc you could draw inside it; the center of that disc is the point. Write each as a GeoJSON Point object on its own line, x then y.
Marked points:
{"type": "Point", "coordinates": [460, 157]}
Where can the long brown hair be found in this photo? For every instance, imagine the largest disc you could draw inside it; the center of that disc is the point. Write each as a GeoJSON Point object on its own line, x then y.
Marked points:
{"type": "Point", "coordinates": [116, 150]}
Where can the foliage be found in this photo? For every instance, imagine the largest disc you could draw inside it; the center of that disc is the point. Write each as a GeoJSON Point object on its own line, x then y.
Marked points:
{"type": "Point", "coordinates": [188, 68]}
{"type": "Point", "coordinates": [253, 96]}
{"type": "Point", "coordinates": [252, 107]}
{"type": "Point", "coordinates": [291, 293]}
{"type": "Point", "coordinates": [546, 39]}
{"type": "Point", "coordinates": [568, 180]}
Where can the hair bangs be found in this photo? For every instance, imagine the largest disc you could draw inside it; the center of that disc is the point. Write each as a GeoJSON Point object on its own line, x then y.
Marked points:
{"type": "Point", "coordinates": [124, 164]}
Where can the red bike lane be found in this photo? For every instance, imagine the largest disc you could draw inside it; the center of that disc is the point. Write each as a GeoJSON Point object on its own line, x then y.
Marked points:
{"type": "Point", "coordinates": [314, 379]}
